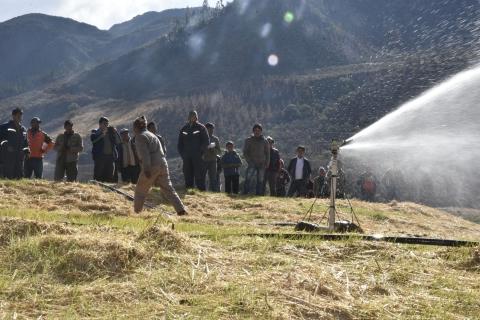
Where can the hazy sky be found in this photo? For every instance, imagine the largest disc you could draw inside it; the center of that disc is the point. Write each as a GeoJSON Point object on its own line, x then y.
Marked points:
{"type": "Point", "coordinates": [101, 13]}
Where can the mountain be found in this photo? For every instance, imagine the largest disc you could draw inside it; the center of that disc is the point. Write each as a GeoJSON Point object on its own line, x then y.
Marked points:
{"type": "Point", "coordinates": [303, 35]}
{"type": "Point", "coordinates": [36, 49]}
{"type": "Point", "coordinates": [160, 22]}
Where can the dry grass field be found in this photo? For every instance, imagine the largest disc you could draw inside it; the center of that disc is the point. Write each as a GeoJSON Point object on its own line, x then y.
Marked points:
{"type": "Point", "coordinates": [74, 251]}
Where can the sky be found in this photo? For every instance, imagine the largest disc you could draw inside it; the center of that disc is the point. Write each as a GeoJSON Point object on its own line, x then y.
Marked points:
{"type": "Point", "coordinates": [100, 13]}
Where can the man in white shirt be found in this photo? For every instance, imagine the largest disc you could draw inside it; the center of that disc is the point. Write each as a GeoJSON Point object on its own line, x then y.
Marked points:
{"type": "Point", "coordinates": [300, 170]}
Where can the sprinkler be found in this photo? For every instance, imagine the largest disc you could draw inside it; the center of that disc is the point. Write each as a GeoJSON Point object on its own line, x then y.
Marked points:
{"type": "Point", "coordinates": [333, 225]}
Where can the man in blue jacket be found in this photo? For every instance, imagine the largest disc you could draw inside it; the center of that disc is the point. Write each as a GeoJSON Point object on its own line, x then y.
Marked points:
{"type": "Point", "coordinates": [193, 142]}
{"type": "Point", "coordinates": [105, 141]}
{"type": "Point", "coordinates": [13, 138]}
{"type": "Point", "coordinates": [231, 164]}
{"type": "Point", "coordinates": [300, 170]}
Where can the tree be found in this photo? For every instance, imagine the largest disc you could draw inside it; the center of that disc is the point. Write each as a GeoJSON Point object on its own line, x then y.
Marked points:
{"type": "Point", "coordinates": [205, 10]}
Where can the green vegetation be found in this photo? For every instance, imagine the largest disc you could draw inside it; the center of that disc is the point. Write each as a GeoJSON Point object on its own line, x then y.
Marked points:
{"type": "Point", "coordinates": [73, 262]}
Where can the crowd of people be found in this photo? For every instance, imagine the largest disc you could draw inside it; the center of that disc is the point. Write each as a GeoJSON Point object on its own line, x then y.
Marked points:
{"type": "Point", "coordinates": [141, 159]}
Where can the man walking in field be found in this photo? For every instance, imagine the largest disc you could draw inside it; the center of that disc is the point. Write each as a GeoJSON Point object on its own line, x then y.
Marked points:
{"type": "Point", "coordinates": [154, 168]}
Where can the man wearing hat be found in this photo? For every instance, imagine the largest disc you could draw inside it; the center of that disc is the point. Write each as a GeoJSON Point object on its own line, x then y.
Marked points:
{"type": "Point", "coordinates": [154, 169]}
{"type": "Point", "coordinates": [39, 143]}
{"type": "Point", "coordinates": [300, 170]}
{"type": "Point", "coordinates": [13, 138]}
{"type": "Point", "coordinates": [128, 163]}
{"type": "Point", "coordinates": [210, 158]}
{"type": "Point", "coordinates": [105, 141]}
{"type": "Point", "coordinates": [68, 146]}
{"type": "Point", "coordinates": [193, 142]}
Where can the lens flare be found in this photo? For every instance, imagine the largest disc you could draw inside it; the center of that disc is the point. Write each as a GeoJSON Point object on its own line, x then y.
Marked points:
{"type": "Point", "coordinates": [288, 17]}
{"type": "Point", "coordinates": [265, 30]}
{"type": "Point", "coordinates": [273, 60]}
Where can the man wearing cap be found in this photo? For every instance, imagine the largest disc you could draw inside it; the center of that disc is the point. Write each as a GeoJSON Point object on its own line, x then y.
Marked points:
{"type": "Point", "coordinates": [256, 151]}
{"type": "Point", "coordinates": [128, 159]}
{"type": "Point", "coordinates": [39, 143]}
{"type": "Point", "coordinates": [105, 141]}
{"type": "Point", "coordinates": [300, 170]}
{"type": "Point", "coordinates": [273, 169]}
{"type": "Point", "coordinates": [68, 146]}
{"type": "Point", "coordinates": [152, 127]}
{"type": "Point", "coordinates": [193, 142]}
{"type": "Point", "coordinates": [13, 138]}
{"type": "Point", "coordinates": [154, 169]}
{"type": "Point", "coordinates": [210, 158]}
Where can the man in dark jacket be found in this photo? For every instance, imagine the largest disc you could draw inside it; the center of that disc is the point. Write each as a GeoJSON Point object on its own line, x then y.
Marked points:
{"type": "Point", "coordinates": [273, 169]}
{"type": "Point", "coordinates": [257, 154]}
{"type": "Point", "coordinates": [299, 169]}
{"type": "Point", "coordinates": [105, 141]}
{"type": "Point", "coordinates": [231, 164]}
{"type": "Point", "coordinates": [283, 179]}
{"type": "Point", "coordinates": [193, 142]}
{"type": "Point", "coordinates": [128, 163]}
{"type": "Point", "coordinates": [68, 146]}
{"type": "Point", "coordinates": [210, 158]}
{"type": "Point", "coordinates": [152, 127]}
{"type": "Point", "coordinates": [13, 137]}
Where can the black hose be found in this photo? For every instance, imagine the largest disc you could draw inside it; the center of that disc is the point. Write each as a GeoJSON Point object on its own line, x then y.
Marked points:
{"type": "Point", "coordinates": [343, 237]}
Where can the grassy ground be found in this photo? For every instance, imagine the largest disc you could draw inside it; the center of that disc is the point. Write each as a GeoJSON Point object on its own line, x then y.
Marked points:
{"type": "Point", "coordinates": [77, 251]}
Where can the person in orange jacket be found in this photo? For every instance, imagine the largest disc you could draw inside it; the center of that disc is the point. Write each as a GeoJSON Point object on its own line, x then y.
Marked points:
{"type": "Point", "coordinates": [39, 144]}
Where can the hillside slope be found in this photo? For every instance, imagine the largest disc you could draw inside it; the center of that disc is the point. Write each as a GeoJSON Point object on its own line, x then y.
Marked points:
{"type": "Point", "coordinates": [76, 251]}
{"type": "Point", "coordinates": [235, 46]}
{"type": "Point", "coordinates": [37, 49]}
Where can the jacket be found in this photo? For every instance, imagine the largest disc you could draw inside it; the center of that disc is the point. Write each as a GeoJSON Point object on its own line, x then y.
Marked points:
{"type": "Point", "coordinates": [39, 143]}
{"type": "Point", "coordinates": [307, 169]}
{"type": "Point", "coordinates": [231, 163]}
{"type": "Point", "coordinates": [16, 138]}
{"type": "Point", "coordinates": [256, 151]}
{"type": "Point", "coordinates": [97, 139]}
{"type": "Point", "coordinates": [212, 153]}
{"type": "Point", "coordinates": [149, 150]}
{"type": "Point", "coordinates": [274, 164]}
{"type": "Point", "coordinates": [68, 147]}
{"type": "Point", "coordinates": [121, 153]}
{"type": "Point", "coordinates": [193, 140]}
